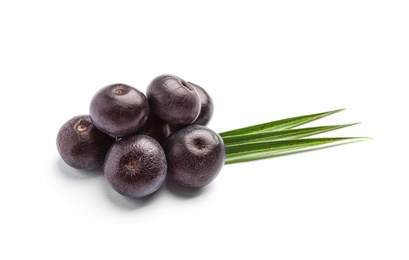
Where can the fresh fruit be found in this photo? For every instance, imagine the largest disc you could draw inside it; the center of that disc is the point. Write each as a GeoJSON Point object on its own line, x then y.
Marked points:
{"type": "Point", "coordinates": [81, 145]}
{"type": "Point", "coordinates": [157, 129]}
{"type": "Point", "coordinates": [135, 166]}
{"type": "Point", "coordinates": [195, 156]}
{"type": "Point", "coordinates": [173, 100]}
{"type": "Point", "coordinates": [139, 140]}
{"type": "Point", "coordinates": [206, 103]}
{"type": "Point", "coordinates": [119, 110]}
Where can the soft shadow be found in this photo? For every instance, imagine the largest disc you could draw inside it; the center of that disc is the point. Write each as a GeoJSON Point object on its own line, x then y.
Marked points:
{"type": "Point", "coordinates": [183, 192]}
{"type": "Point", "coordinates": [75, 173]}
{"type": "Point", "coordinates": [127, 203]}
{"type": "Point", "coordinates": [112, 196]}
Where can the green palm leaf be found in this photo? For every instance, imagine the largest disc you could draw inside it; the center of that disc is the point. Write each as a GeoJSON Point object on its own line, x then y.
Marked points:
{"type": "Point", "coordinates": [279, 135]}
{"type": "Point", "coordinates": [261, 150]}
{"type": "Point", "coordinates": [282, 124]}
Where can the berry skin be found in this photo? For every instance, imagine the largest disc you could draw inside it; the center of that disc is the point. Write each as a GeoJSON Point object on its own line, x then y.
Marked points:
{"type": "Point", "coordinates": [135, 166]}
{"type": "Point", "coordinates": [173, 100]}
{"type": "Point", "coordinates": [157, 129]}
{"type": "Point", "coordinates": [81, 145]}
{"type": "Point", "coordinates": [119, 110]}
{"type": "Point", "coordinates": [207, 107]}
{"type": "Point", "coordinates": [195, 156]}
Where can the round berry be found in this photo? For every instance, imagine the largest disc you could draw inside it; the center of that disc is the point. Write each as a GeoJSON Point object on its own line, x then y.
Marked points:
{"type": "Point", "coordinates": [207, 107]}
{"type": "Point", "coordinates": [135, 166]}
{"type": "Point", "coordinates": [173, 100]}
{"type": "Point", "coordinates": [195, 156]}
{"type": "Point", "coordinates": [157, 129]}
{"type": "Point", "coordinates": [81, 145]}
{"type": "Point", "coordinates": [119, 110]}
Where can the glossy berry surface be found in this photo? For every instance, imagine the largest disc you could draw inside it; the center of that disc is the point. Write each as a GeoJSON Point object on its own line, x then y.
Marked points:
{"type": "Point", "coordinates": [206, 104]}
{"type": "Point", "coordinates": [173, 100]}
{"type": "Point", "coordinates": [81, 145]}
{"type": "Point", "coordinates": [119, 110]}
{"type": "Point", "coordinates": [195, 156]}
{"type": "Point", "coordinates": [135, 166]}
{"type": "Point", "coordinates": [157, 129]}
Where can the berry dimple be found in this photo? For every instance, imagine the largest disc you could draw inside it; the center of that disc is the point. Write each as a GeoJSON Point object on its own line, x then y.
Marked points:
{"type": "Point", "coordinates": [119, 110]}
{"type": "Point", "coordinates": [81, 145]}
{"type": "Point", "coordinates": [173, 100]}
{"type": "Point", "coordinates": [136, 166]}
{"type": "Point", "coordinates": [195, 155]}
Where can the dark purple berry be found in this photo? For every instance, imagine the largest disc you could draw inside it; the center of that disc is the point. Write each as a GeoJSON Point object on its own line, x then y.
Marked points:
{"type": "Point", "coordinates": [173, 100]}
{"type": "Point", "coordinates": [135, 166]}
{"type": "Point", "coordinates": [207, 107]}
{"type": "Point", "coordinates": [157, 129]}
{"type": "Point", "coordinates": [81, 145]}
{"type": "Point", "coordinates": [195, 156]}
{"type": "Point", "coordinates": [119, 110]}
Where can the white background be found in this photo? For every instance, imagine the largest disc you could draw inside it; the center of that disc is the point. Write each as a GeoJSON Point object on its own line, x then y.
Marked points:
{"type": "Point", "coordinates": [260, 61]}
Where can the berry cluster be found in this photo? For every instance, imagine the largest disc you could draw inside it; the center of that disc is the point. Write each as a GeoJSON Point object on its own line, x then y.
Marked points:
{"type": "Point", "coordinates": [139, 139]}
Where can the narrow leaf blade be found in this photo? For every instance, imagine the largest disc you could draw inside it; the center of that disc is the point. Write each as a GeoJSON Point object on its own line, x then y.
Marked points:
{"type": "Point", "coordinates": [255, 151]}
{"type": "Point", "coordinates": [280, 135]}
{"type": "Point", "coordinates": [282, 124]}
